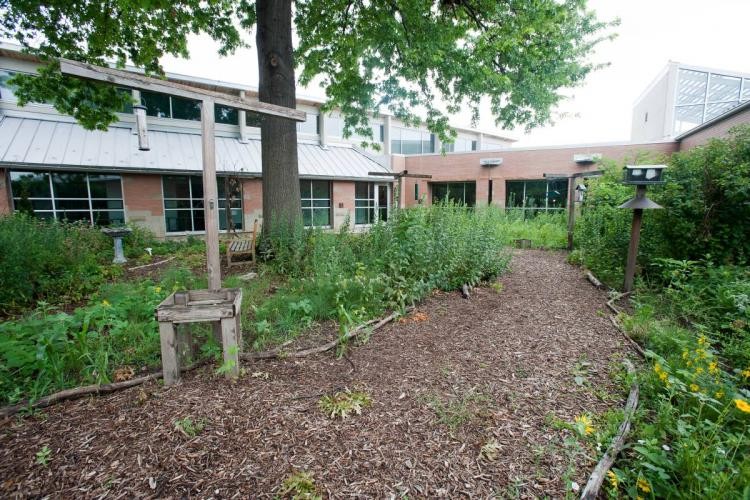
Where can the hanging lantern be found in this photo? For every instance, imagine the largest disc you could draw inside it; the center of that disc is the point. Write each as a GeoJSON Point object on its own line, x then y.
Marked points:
{"type": "Point", "coordinates": [140, 122]}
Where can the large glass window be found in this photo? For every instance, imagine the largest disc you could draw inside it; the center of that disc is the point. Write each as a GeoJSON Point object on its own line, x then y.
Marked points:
{"type": "Point", "coordinates": [7, 91]}
{"type": "Point", "coordinates": [702, 95]}
{"type": "Point", "coordinates": [316, 203]}
{"type": "Point", "coordinates": [166, 106]}
{"type": "Point", "coordinates": [183, 203]}
{"type": "Point", "coordinates": [462, 193]}
{"type": "Point", "coordinates": [407, 141]}
{"type": "Point", "coordinates": [371, 202]}
{"type": "Point", "coordinates": [538, 195]}
{"type": "Point", "coordinates": [95, 198]}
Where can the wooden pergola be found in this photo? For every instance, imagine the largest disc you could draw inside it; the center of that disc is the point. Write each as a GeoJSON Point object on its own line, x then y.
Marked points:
{"type": "Point", "coordinates": [208, 100]}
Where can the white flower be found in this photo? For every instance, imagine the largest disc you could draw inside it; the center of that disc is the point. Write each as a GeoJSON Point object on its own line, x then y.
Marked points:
{"type": "Point", "coordinates": [665, 447]}
{"type": "Point", "coordinates": [574, 486]}
{"type": "Point", "coordinates": [641, 441]}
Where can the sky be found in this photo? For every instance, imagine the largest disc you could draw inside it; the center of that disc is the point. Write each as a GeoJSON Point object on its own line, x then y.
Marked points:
{"type": "Point", "coordinates": [651, 33]}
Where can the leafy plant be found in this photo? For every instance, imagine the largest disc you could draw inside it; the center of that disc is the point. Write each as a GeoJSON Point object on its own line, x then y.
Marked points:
{"type": "Point", "coordinates": [342, 404]}
{"type": "Point", "coordinates": [300, 486]}
{"type": "Point", "coordinates": [43, 456]}
{"type": "Point", "coordinates": [189, 427]}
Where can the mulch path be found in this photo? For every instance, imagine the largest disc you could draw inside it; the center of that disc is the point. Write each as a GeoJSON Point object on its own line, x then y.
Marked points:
{"type": "Point", "coordinates": [499, 364]}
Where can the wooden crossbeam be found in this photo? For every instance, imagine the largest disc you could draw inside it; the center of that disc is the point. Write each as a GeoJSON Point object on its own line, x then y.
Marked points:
{"type": "Point", "coordinates": [399, 175]}
{"type": "Point", "coordinates": [137, 81]}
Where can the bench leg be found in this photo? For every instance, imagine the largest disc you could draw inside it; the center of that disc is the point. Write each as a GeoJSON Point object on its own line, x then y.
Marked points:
{"type": "Point", "coordinates": [231, 346]}
{"type": "Point", "coordinates": [169, 360]}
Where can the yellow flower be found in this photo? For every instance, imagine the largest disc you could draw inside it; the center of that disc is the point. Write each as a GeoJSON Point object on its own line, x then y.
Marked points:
{"type": "Point", "coordinates": [695, 387]}
{"type": "Point", "coordinates": [742, 405]}
{"type": "Point", "coordinates": [613, 479]}
{"type": "Point", "coordinates": [157, 289]}
{"type": "Point", "coordinates": [746, 373]}
{"type": "Point", "coordinates": [643, 485]}
{"type": "Point", "coordinates": [713, 367]}
{"type": "Point", "coordinates": [702, 340]}
{"type": "Point", "coordinates": [684, 355]}
{"type": "Point", "coordinates": [719, 394]}
{"type": "Point", "coordinates": [585, 423]}
{"type": "Point", "coordinates": [699, 370]}
{"type": "Point", "coordinates": [105, 303]}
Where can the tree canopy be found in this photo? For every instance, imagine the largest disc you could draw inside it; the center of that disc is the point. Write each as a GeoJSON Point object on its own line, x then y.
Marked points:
{"type": "Point", "coordinates": [405, 56]}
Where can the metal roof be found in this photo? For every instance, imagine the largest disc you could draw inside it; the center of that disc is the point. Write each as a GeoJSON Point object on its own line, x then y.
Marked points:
{"type": "Point", "coordinates": [40, 143]}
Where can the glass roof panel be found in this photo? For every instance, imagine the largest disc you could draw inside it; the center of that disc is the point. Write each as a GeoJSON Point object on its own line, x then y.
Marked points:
{"type": "Point", "coordinates": [746, 90]}
{"type": "Point", "coordinates": [715, 109]}
{"type": "Point", "coordinates": [687, 117]}
{"type": "Point", "coordinates": [691, 88]}
{"type": "Point", "coordinates": [723, 88]}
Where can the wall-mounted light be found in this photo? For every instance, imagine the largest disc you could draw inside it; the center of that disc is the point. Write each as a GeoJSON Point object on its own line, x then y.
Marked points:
{"type": "Point", "coordinates": [140, 123]}
{"type": "Point", "coordinates": [584, 158]}
{"type": "Point", "coordinates": [490, 162]}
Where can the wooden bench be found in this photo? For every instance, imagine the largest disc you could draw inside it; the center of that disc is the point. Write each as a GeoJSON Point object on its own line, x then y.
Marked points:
{"type": "Point", "coordinates": [242, 247]}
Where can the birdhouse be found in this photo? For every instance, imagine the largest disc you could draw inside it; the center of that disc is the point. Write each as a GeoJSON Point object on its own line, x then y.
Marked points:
{"type": "Point", "coordinates": [644, 174]}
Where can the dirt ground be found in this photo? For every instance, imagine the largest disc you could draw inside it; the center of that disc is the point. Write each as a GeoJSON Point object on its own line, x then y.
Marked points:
{"type": "Point", "coordinates": [452, 377]}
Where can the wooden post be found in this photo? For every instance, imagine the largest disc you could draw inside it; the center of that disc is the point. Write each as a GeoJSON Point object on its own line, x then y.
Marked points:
{"type": "Point", "coordinates": [169, 360]}
{"type": "Point", "coordinates": [635, 236]}
{"type": "Point", "coordinates": [210, 194]}
{"type": "Point", "coordinates": [230, 345]}
{"type": "Point", "coordinates": [571, 210]}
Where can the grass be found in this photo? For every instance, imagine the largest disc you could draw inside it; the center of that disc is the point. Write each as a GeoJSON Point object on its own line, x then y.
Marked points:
{"type": "Point", "coordinates": [453, 412]}
{"type": "Point", "coordinates": [300, 486]}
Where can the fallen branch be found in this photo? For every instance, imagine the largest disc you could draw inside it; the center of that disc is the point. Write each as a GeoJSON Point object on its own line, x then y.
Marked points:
{"type": "Point", "coordinates": [591, 491]}
{"type": "Point", "coordinates": [613, 319]}
{"type": "Point", "coordinates": [593, 280]}
{"type": "Point", "coordinates": [281, 353]}
{"type": "Point", "coordinates": [152, 264]}
{"type": "Point", "coordinates": [86, 390]}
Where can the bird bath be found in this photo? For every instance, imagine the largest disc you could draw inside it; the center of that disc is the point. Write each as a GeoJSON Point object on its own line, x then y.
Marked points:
{"type": "Point", "coordinates": [117, 234]}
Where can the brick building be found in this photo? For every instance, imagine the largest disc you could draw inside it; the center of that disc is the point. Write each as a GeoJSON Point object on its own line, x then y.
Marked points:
{"type": "Point", "coordinates": [60, 170]}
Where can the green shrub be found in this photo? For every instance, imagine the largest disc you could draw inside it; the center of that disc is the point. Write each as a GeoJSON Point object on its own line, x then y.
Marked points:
{"type": "Point", "coordinates": [46, 260]}
{"type": "Point", "coordinates": [353, 277]}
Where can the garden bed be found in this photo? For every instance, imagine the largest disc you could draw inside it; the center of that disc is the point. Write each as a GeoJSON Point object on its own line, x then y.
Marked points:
{"type": "Point", "coordinates": [472, 397]}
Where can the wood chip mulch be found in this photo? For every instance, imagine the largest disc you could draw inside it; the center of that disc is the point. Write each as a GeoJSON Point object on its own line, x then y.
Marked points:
{"type": "Point", "coordinates": [458, 375]}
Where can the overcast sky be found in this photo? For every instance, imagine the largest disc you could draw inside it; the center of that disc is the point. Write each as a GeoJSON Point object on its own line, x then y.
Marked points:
{"type": "Point", "coordinates": [652, 32]}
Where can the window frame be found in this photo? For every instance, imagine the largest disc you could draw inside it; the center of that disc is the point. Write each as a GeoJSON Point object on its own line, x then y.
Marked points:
{"type": "Point", "coordinates": [55, 200]}
{"type": "Point", "coordinates": [373, 203]}
{"type": "Point", "coordinates": [546, 208]}
{"type": "Point", "coordinates": [448, 185]}
{"type": "Point", "coordinates": [192, 208]}
{"type": "Point", "coordinates": [312, 199]}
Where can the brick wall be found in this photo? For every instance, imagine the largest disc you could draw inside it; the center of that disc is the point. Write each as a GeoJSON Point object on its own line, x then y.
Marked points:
{"type": "Point", "coordinates": [343, 203]}
{"type": "Point", "coordinates": [142, 195]}
{"type": "Point", "coordinates": [6, 204]}
{"type": "Point", "coordinates": [520, 164]}
{"type": "Point", "coordinates": [717, 130]}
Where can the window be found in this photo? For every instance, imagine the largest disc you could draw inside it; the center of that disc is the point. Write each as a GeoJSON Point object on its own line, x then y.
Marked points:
{"type": "Point", "coordinates": [461, 193]}
{"type": "Point", "coordinates": [309, 126]}
{"type": "Point", "coordinates": [536, 195]}
{"type": "Point", "coordinates": [226, 115]}
{"type": "Point", "coordinates": [95, 198]}
{"type": "Point", "coordinates": [316, 203]}
{"type": "Point", "coordinates": [371, 202]}
{"type": "Point", "coordinates": [167, 106]}
{"type": "Point", "coordinates": [7, 91]}
{"type": "Point", "coordinates": [460, 145]}
{"type": "Point", "coordinates": [253, 119]}
{"type": "Point", "coordinates": [407, 141]}
{"type": "Point", "coordinates": [183, 203]}
{"type": "Point", "coordinates": [416, 191]}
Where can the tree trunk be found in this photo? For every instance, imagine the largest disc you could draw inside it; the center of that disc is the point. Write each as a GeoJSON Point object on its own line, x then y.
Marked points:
{"type": "Point", "coordinates": [281, 194]}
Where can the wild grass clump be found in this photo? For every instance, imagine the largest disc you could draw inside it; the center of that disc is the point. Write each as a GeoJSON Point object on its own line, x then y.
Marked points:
{"type": "Point", "coordinates": [48, 260]}
{"type": "Point", "coordinates": [352, 277]}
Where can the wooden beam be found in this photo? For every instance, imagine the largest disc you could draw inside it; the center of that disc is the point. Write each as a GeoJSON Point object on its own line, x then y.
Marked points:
{"type": "Point", "coordinates": [400, 175]}
{"type": "Point", "coordinates": [137, 81]}
{"type": "Point", "coordinates": [210, 195]}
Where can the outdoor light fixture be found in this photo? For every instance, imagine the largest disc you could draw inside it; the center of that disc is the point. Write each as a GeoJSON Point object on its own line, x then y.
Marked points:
{"type": "Point", "coordinates": [140, 123]}
{"type": "Point", "coordinates": [490, 162]}
{"type": "Point", "coordinates": [584, 158]}
{"type": "Point", "coordinates": [580, 192]}
{"type": "Point", "coordinates": [644, 174]}
{"type": "Point", "coordinates": [640, 176]}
